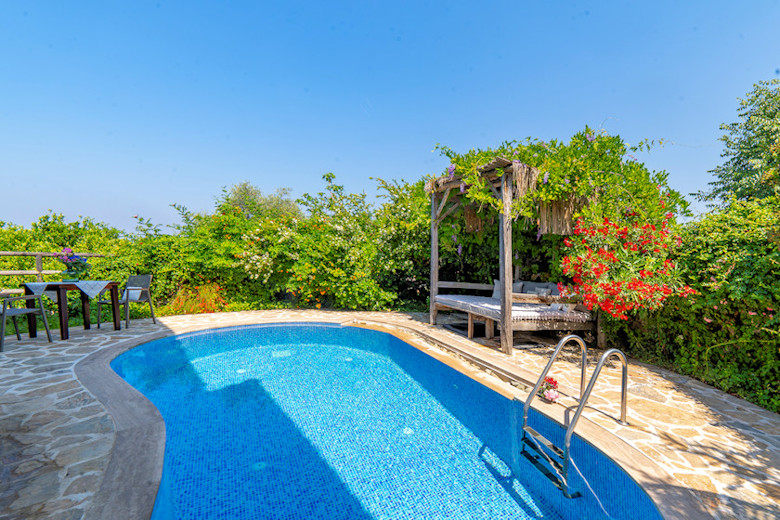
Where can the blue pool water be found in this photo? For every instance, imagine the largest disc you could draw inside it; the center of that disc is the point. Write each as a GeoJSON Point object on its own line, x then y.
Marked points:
{"type": "Point", "coordinates": [320, 421]}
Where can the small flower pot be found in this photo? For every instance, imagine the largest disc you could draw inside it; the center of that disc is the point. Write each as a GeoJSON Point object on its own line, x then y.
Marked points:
{"type": "Point", "coordinates": [70, 276]}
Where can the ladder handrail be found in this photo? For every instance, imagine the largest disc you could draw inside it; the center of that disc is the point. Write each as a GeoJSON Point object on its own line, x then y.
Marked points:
{"type": "Point", "coordinates": [558, 347]}
{"type": "Point", "coordinates": [564, 454]}
{"type": "Point", "coordinates": [584, 399]}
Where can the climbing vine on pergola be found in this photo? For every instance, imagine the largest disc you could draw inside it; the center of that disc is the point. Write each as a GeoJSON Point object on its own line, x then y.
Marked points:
{"type": "Point", "coordinates": [550, 185]}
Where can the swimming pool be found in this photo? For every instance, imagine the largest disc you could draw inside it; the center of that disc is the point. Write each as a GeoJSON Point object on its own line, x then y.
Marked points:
{"type": "Point", "coordinates": [309, 420]}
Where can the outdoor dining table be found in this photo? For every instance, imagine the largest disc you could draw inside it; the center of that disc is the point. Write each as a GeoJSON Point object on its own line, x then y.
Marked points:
{"type": "Point", "coordinates": [88, 289]}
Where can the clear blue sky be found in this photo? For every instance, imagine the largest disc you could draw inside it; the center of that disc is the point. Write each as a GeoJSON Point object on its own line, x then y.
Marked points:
{"type": "Point", "coordinates": [113, 109]}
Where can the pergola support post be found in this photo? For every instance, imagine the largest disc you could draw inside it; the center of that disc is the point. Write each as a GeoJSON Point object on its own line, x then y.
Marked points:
{"type": "Point", "coordinates": [506, 260]}
{"type": "Point", "coordinates": [434, 257]}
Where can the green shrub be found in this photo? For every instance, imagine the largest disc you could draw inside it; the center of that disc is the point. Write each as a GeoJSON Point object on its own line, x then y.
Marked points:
{"type": "Point", "coordinates": [328, 259]}
{"type": "Point", "coordinates": [50, 234]}
{"type": "Point", "coordinates": [403, 241]}
{"type": "Point", "coordinates": [728, 334]}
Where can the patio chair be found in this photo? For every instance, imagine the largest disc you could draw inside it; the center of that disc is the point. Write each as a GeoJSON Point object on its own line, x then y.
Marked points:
{"type": "Point", "coordinates": [9, 311]}
{"type": "Point", "coordinates": [136, 291]}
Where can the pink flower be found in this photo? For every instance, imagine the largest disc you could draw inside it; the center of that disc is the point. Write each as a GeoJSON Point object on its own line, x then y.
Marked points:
{"type": "Point", "coordinates": [751, 313]}
{"type": "Point", "coordinates": [707, 320]}
{"type": "Point", "coordinates": [551, 395]}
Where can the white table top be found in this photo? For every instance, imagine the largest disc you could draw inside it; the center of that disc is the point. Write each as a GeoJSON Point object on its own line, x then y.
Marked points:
{"type": "Point", "coordinates": [89, 287]}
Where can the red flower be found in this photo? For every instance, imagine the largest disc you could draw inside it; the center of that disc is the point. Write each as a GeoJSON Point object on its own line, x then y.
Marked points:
{"type": "Point", "coordinates": [611, 264]}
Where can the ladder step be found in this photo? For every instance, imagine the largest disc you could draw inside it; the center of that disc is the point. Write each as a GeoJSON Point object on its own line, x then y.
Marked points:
{"type": "Point", "coordinates": [530, 449]}
{"type": "Point", "coordinates": [543, 469]}
{"type": "Point", "coordinates": [548, 468]}
{"type": "Point", "coordinates": [543, 441]}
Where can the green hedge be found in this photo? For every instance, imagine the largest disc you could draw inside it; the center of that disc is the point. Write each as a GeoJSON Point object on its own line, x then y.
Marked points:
{"type": "Point", "coordinates": [726, 335]}
{"type": "Point", "coordinates": [729, 334]}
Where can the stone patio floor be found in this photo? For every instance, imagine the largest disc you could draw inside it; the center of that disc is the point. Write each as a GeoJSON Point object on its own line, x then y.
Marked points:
{"type": "Point", "coordinates": [56, 438]}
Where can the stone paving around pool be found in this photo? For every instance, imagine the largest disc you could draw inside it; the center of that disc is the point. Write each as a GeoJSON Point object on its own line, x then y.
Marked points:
{"type": "Point", "coordinates": [56, 438]}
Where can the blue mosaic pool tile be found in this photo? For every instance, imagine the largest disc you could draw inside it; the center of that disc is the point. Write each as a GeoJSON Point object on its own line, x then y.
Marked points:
{"type": "Point", "coordinates": [330, 422]}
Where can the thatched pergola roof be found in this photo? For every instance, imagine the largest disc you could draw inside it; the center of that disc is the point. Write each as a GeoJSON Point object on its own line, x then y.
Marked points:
{"type": "Point", "coordinates": [556, 217]}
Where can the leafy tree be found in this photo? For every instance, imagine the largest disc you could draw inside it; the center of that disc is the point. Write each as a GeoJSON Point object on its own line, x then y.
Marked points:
{"type": "Point", "coordinates": [253, 204]}
{"type": "Point", "coordinates": [328, 258]}
{"type": "Point", "coordinates": [403, 223]}
{"type": "Point", "coordinates": [210, 246]}
{"type": "Point", "coordinates": [752, 149]}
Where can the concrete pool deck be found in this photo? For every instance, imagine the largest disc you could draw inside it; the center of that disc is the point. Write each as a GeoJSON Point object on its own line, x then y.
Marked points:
{"type": "Point", "coordinates": [71, 435]}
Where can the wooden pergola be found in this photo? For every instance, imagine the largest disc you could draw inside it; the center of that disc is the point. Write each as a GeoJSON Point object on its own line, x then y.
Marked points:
{"type": "Point", "coordinates": [517, 180]}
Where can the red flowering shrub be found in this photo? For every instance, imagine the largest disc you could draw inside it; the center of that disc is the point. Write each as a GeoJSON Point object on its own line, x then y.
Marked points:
{"type": "Point", "coordinates": [621, 267]}
{"type": "Point", "coordinates": [202, 299]}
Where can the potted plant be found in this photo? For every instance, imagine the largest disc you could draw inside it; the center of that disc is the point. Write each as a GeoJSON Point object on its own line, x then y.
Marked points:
{"type": "Point", "coordinates": [549, 390]}
{"type": "Point", "coordinates": [76, 267]}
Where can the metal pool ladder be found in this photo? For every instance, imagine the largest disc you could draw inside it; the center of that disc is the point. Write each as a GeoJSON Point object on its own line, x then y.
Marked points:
{"type": "Point", "coordinates": [558, 463]}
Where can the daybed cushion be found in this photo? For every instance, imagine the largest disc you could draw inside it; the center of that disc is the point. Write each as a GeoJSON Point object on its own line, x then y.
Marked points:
{"type": "Point", "coordinates": [516, 287]}
{"type": "Point", "coordinates": [531, 287]}
{"type": "Point", "coordinates": [491, 308]}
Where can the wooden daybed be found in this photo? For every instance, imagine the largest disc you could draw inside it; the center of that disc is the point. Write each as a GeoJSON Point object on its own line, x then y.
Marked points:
{"type": "Point", "coordinates": [530, 311]}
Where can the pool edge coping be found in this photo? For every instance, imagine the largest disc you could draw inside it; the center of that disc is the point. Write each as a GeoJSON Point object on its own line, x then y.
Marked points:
{"type": "Point", "coordinates": [128, 490]}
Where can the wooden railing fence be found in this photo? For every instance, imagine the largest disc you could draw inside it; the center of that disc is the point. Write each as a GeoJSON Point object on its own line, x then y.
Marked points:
{"type": "Point", "coordinates": [39, 271]}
